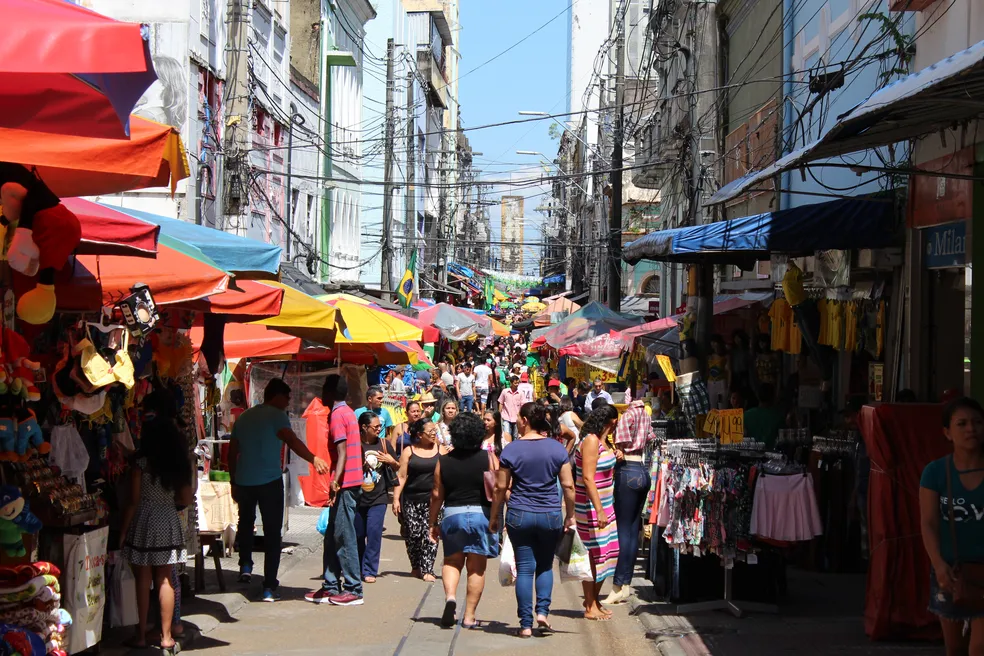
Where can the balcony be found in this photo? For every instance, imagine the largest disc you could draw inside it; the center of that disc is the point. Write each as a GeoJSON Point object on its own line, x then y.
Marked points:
{"type": "Point", "coordinates": [430, 69]}
{"type": "Point", "coordinates": [438, 10]}
{"type": "Point", "coordinates": [656, 154]}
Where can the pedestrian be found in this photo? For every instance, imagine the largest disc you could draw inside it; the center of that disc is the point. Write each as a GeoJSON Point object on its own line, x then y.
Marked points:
{"type": "Point", "coordinates": [414, 412]}
{"type": "Point", "coordinates": [449, 410]}
{"type": "Point", "coordinates": [525, 389]}
{"type": "Point", "coordinates": [594, 466]}
{"type": "Point", "coordinates": [632, 479]}
{"type": "Point", "coordinates": [569, 424]}
{"type": "Point", "coordinates": [459, 486]}
{"type": "Point", "coordinates": [394, 382]}
{"type": "Point", "coordinates": [598, 391]}
{"type": "Point", "coordinates": [951, 494]}
{"type": "Point", "coordinates": [378, 480]}
{"type": "Point", "coordinates": [428, 406]}
{"type": "Point", "coordinates": [483, 383]}
{"type": "Point", "coordinates": [493, 442]}
{"type": "Point", "coordinates": [579, 395]}
{"type": "Point", "coordinates": [494, 393]}
{"type": "Point", "coordinates": [530, 467]}
{"type": "Point", "coordinates": [374, 403]}
{"type": "Point", "coordinates": [160, 484]}
{"type": "Point", "coordinates": [411, 499]}
{"type": "Point", "coordinates": [465, 386]}
{"type": "Point", "coordinates": [509, 404]}
{"type": "Point", "coordinates": [256, 477]}
{"type": "Point", "coordinates": [342, 585]}
{"type": "Point", "coordinates": [553, 392]}
{"type": "Point", "coordinates": [447, 379]}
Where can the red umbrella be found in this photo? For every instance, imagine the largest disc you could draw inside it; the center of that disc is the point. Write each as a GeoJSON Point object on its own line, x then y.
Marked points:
{"type": "Point", "coordinates": [106, 231]}
{"type": "Point", "coordinates": [67, 69]}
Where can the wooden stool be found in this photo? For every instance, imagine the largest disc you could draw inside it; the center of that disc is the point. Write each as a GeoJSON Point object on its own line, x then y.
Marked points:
{"type": "Point", "coordinates": [212, 540]}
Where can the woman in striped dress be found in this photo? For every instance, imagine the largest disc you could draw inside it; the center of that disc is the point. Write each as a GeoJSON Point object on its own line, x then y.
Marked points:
{"type": "Point", "coordinates": [594, 509]}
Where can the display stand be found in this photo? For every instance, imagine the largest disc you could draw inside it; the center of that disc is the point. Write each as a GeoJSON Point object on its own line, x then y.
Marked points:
{"type": "Point", "coordinates": [727, 603]}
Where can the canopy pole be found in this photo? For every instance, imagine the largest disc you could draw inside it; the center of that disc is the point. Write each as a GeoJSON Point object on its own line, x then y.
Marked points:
{"type": "Point", "coordinates": [705, 314]}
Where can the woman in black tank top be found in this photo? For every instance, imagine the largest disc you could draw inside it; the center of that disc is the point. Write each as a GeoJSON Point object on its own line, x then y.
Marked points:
{"type": "Point", "coordinates": [411, 499]}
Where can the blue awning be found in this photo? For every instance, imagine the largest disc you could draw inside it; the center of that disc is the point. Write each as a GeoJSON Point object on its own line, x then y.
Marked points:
{"type": "Point", "coordinates": [558, 279]}
{"type": "Point", "coordinates": [239, 255]}
{"type": "Point", "coordinates": [840, 224]}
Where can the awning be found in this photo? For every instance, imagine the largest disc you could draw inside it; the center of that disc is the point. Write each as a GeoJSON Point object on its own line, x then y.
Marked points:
{"type": "Point", "coordinates": [455, 323]}
{"type": "Point", "coordinates": [245, 300]}
{"type": "Point", "coordinates": [108, 232]}
{"type": "Point", "coordinates": [247, 258]}
{"type": "Point", "coordinates": [153, 156]}
{"type": "Point", "coordinates": [434, 285]}
{"type": "Point", "coordinates": [722, 304]}
{"type": "Point", "coordinates": [364, 324]}
{"type": "Point", "coordinates": [302, 316]}
{"type": "Point", "coordinates": [292, 276]}
{"type": "Point", "coordinates": [937, 97]}
{"type": "Point", "coordinates": [840, 224]}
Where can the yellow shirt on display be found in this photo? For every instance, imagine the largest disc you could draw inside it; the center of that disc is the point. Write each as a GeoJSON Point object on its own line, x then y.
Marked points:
{"type": "Point", "coordinates": [836, 328]}
{"type": "Point", "coordinates": [781, 315]}
{"type": "Point", "coordinates": [822, 310]}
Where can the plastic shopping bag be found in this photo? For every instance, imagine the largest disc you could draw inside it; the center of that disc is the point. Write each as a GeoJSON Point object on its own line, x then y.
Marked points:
{"type": "Point", "coordinates": [578, 567]}
{"type": "Point", "coordinates": [122, 595]}
{"type": "Point", "coordinates": [322, 525]}
{"type": "Point", "coordinates": [507, 563]}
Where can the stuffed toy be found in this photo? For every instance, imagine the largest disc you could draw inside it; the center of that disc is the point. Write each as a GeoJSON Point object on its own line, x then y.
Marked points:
{"type": "Point", "coordinates": [17, 640]}
{"type": "Point", "coordinates": [12, 524]}
{"type": "Point", "coordinates": [29, 435]}
{"type": "Point", "coordinates": [45, 234]}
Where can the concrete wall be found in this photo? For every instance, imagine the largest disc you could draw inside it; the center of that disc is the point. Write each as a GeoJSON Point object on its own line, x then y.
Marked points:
{"type": "Point", "coordinates": [511, 230]}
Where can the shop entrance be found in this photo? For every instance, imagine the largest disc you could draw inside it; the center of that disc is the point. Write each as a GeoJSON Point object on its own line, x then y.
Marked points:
{"type": "Point", "coordinates": [948, 332]}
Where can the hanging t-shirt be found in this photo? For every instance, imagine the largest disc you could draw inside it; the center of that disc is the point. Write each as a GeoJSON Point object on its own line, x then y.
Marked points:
{"type": "Point", "coordinates": [835, 331]}
{"type": "Point", "coordinates": [795, 336]}
{"type": "Point", "coordinates": [880, 329]}
{"type": "Point", "coordinates": [851, 326]}
{"type": "Point", "coordinates": [717, 367]}
{"type": "Point", "coordinates": [781, 315]}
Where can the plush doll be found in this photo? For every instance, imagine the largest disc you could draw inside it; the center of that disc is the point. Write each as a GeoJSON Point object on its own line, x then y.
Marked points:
{"type": "Point", "coordinates": [17, 640]}
{"type": "Point", "coordinates": [29, 435]}
{"type": "Point", "coordinates": [46, 232]}
{"type": "Point", "coordinates": [12, 523]}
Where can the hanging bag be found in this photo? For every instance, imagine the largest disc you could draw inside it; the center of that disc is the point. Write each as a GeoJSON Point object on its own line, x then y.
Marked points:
{"type": "Point", "coordinates": [122, 595]}
{"type": "Point", "coordinates": [488, 478]}
{"type": "Point", "coordinates": [507, 563]}
{"type": "Point", "coordinates": [578, 565]}
{"type": "Point", "coordinates": [968, 589]}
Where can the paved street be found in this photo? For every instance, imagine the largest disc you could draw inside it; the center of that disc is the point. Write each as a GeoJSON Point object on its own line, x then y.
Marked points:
{"type": "Point", "coordinates": [400, 616]}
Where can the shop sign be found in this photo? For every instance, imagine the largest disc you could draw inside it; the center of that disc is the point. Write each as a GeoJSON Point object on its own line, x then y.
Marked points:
{"type": "Point", "coordinates": [945, 245]}
{"type": "Point", "coordinates": [938, 200]}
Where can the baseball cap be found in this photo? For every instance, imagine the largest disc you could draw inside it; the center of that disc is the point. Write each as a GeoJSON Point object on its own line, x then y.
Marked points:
{"type": "Point", "coordinates": [553, 383]}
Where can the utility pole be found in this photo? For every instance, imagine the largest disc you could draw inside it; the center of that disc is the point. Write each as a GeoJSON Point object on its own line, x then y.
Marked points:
{"type": "Point", "coordinates": [615, 218]}
{"type": "Point", "coordinates": [236, 100]}
{"type": "Point", "coordinates": [442, 215]}
{"type": "Point", "coordinates": [386, 270]}
{"type": "Point", "coordinates": [410, 229]}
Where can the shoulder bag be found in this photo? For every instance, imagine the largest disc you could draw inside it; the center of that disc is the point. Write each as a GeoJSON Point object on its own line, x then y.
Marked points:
{"type": "Point", "coordinates": [488, 478]}
{"type": "Point", "coordinates": [968, 588]}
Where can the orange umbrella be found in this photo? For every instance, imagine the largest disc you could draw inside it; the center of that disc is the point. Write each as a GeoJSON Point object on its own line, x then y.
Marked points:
{"type": "Point", "coordinates": [173, 277]}
{"type": "Point", "coordinates": [245, 340]}
{"type": "Point", "coordinates": [153, 156]}
{"type": "Point", "coordinates": [245, 300]}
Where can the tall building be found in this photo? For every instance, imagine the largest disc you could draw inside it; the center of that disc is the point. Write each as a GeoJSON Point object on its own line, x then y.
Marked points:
{"type": "Point", "coordinates": [511, 230]}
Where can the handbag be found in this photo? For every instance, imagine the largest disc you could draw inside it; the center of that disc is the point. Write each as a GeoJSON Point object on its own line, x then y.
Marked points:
{"type": "Point", "coordinates": [488, 478]}
{"type": "Point", "coordinates": [968, 590]}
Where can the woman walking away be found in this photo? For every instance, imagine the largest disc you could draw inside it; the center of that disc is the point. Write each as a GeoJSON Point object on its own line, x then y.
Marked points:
{"type": "Point", "coordinates": [160, 483]}
{"type": "Point", "coordinates": [530, 467]}
{"type": "Point", "coordinates": [449, 410]}
{"type": "Point", "coordinates": [951, 494]}
{"type": "Point", "coordinates": [412, 496]}
{"type": "Point", "coordinates": [594, 466]}
{"type": "Point", "coordinates": [370, 513]}
{"type": "Point", "coordinates": [493, 441]}
{"type": "Point", "coordinates": [459, 485]}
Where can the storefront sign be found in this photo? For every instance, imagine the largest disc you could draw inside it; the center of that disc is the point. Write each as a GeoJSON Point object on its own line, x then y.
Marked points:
{"type": "Point", "coordinates": [945, 245]}
{"type": "Point", "coordinates": [937, 200]}
{"type": "Point", "coordinates": [579, 371]}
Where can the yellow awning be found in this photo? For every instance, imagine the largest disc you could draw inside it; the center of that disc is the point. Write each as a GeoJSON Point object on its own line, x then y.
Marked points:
{"type": "Point", "coordinates": [368, 325]}
{"type": "Point", "coordinates": [329, 298]}
{"type": "Point", "coordinates": [303, 316]}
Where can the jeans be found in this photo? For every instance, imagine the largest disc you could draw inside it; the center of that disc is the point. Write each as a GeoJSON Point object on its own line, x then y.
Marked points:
{"type": "Point", "coordinates": [631, 488]}
{"type": "Point", "coordinates": [341, 556]}
{"type": "Point", "coordinates": [534, 538]}
{"type": "Point", "coordinates": [467, 402]}
{"type": "Point", "coordinates": [369, 533]}
{"type": "Point", "coordinates": [270, 498]}
{"type": "Point", "coordinates": [509, 428]}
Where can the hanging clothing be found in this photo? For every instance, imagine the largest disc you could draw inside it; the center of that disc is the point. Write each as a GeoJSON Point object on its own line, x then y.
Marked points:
{"type": "Point", "coordinates": [785, 509]}
{"type": "Point", "coordinates": [781, 314]}
{"type": "Point", "coordinates": [836, 327]}
{"type": "Point", "coordinates": [851, 326]}
{"type": "Point", "coordinates": [822, 309]}
{"type": "Point", "coordinates": [880, 329]}
{"type": "Point", "coordinates": [795, 337]}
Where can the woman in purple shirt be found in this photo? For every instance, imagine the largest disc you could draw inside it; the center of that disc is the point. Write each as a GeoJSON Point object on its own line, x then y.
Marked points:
{"type": "Point", "coordinates": [530, 467]}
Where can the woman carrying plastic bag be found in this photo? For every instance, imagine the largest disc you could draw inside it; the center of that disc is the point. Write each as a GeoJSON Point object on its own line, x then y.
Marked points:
{"type": "Point", "coordinates": [578, 563]}
{"type": "Point", "coordinates": [507, 563]}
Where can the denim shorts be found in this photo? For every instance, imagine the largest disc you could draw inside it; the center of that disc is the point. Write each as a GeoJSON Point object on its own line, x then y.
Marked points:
{"type": "Point", "coordinates": [941, 603]}
{"type": "Point", "coordinates": [465, 529]}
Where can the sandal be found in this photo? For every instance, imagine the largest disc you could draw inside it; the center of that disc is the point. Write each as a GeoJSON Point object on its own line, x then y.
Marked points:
{"type": "Point", "coordinates": [173, 650]}
{"type": "Point", "coordinates": [369, 579]}
{"type": "Point", "coordinates": [477, 624]}
{"type": "Point", "coordinates": [521, 633]}
{"type": "Point", "coordinates": [448, 618]}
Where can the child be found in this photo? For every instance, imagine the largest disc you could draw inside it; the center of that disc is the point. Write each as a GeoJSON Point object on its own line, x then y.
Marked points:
{"type": "Point", "coordinates": [161, 482]}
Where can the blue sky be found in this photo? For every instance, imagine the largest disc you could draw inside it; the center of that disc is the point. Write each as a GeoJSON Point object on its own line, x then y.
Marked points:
{"type": "Point", "coordinates": [531, 76]}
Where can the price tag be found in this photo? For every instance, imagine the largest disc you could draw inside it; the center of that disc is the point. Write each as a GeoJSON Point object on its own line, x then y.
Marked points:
{"type": "Point", "coordinates": [732, 426]}
{"type": "Point", "coordinates": [712, 424]}
{"type": "Point", "coordinates": [667, 367]}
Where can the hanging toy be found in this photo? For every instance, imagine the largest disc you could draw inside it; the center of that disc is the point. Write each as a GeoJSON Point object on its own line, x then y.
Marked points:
{"type": "Point", "coordinates": [29, 435]}
{"type": "Point", "coordinates": [12, 524]}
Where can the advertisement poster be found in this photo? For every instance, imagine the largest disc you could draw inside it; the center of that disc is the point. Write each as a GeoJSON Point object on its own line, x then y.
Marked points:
{"type": "Point", "coordinates": [84, 587]}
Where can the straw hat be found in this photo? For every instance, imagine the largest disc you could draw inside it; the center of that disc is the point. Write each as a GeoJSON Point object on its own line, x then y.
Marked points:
{"type": "Point", "coordinates": [426, 398]}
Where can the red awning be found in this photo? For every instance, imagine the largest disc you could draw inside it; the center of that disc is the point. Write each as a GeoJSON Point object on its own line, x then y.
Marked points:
{"type": "Point", "coordinates": [245, 340]}
{"type": "Point", "coordinates": [106, 231]}
{"type": "Point", "coordinates": [245, 300]}
{"type": "Point", "coordinates": [70, 70]}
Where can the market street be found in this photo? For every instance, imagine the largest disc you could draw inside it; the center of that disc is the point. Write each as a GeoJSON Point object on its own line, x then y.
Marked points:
{"type": "Point", "coordinates": [400, 616]}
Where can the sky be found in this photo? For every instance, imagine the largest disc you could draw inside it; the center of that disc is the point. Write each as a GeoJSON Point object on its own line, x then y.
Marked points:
{"type": "Point", "coordinates": [530, 77]}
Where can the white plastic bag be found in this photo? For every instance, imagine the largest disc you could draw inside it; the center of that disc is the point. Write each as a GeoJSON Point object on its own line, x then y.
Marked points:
{"type": "Point", "coordinates": [507, 563]}
{"type": "Point", "coordinates": [578, 567]}
{"type": "Point", "coordinates": [122, 595]}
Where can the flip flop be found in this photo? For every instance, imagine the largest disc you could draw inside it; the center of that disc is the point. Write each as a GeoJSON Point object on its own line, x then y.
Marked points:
{"type": "Point", "coordinates": [544, 625]}
{"type": "Point", "coordinates": [478, 624]}
{"type": "Point", "coordinates": [450, 608]}
{"type": "Point", "coordinates": [524, 636]}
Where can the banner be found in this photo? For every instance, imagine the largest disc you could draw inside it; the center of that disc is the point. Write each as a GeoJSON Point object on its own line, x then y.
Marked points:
{"type": "Point", "coordinates": [83, 585]}
{"type": "Point", "coordinates": [406, 288]}
{"type": "Point", "coordinates": [581, 371]}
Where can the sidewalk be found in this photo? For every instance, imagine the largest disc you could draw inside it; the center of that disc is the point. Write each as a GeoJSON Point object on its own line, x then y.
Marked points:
{"type": "Point", "coordinates": [823, 614]}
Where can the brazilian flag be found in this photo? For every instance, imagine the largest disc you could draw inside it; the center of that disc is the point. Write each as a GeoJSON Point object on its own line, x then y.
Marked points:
{"type": "Point", "coordinates": [405, 292]}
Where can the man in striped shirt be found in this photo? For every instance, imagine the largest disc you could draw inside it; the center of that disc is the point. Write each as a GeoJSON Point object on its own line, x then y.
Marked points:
{"type": "Point", "coordinates": [342, 585]}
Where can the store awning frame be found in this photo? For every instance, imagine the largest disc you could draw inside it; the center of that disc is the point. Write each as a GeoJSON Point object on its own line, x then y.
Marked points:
{"type": "Point", "coordinates": [936, 98]}
{"type": "Point", "coordinates": [845, 224]}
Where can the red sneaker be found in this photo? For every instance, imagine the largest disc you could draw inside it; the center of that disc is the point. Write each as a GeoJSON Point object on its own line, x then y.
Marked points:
{"type": "Point", "coordinates": [319, 596]}
{"type": "Point", "coordinates": [345, 599]}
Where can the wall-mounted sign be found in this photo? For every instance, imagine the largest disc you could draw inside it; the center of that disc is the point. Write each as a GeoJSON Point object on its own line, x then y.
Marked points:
{"type": "Point", "coordinates": [945, 245]}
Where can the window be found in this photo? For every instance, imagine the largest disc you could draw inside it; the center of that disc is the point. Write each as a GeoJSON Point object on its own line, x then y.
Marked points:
{"type": "Point", "coordinates": [205, 18]}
